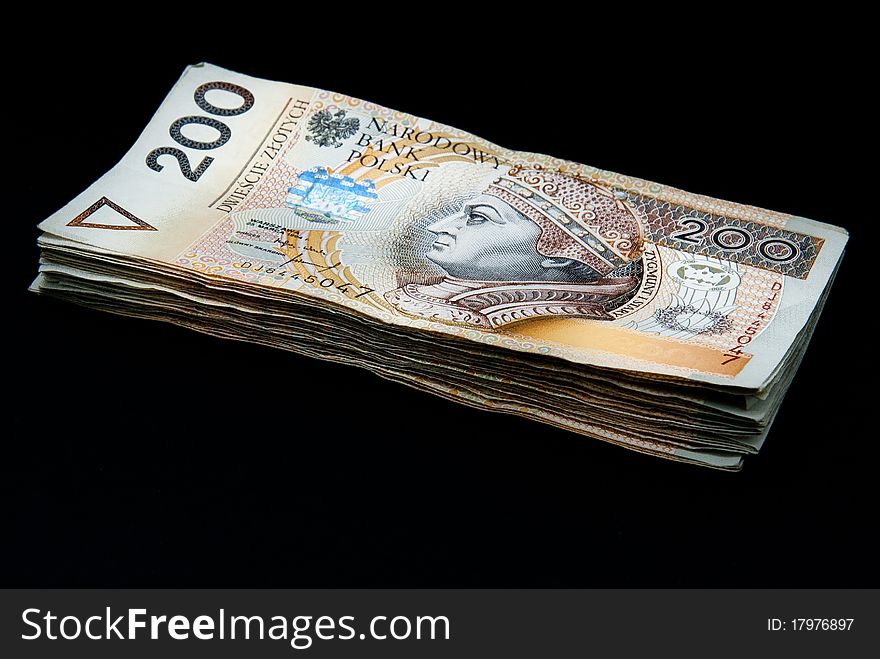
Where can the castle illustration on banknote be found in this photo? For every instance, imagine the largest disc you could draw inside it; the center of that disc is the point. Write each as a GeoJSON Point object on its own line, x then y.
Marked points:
{"type": "Point", "coordinates": [344, 213]}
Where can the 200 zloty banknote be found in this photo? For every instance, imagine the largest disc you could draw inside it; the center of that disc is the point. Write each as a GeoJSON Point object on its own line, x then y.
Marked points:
{"type": "Point", "coordinates": [418, 224]}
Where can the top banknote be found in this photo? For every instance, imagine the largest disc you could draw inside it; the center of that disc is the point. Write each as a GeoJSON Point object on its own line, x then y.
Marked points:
{"type": "Point", "coordinates": [248, 183]}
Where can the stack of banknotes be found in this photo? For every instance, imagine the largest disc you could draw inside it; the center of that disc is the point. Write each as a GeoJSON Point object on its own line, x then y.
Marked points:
{"type": "Point", "coordinates": [663, 321]}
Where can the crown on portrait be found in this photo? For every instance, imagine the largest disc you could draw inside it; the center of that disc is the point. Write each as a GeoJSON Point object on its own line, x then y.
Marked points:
{"type": "Point", "coordinates": [579, 219]}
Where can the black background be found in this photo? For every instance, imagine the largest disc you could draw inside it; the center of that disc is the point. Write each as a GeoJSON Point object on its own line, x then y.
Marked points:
{"type": "Point", "coordinates": [133, 456]}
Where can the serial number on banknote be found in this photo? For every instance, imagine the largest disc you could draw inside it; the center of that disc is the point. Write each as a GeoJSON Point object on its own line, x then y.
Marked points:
{"type": "Point", "coordinates": [755, 326]}
{"type": "Point", "coordinates": [321, 278]}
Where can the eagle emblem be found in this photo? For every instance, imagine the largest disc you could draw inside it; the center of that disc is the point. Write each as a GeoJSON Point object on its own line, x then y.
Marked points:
{"type": "Point", "coordinates": [329, 129]}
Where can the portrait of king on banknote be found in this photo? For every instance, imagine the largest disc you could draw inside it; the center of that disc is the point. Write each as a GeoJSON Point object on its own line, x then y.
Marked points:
{"type": "Point", "coordinates": [532, 243]}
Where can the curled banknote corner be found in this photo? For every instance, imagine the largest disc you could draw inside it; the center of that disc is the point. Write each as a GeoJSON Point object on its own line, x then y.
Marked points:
{"type": "Point", "coordinates": [621, 309]}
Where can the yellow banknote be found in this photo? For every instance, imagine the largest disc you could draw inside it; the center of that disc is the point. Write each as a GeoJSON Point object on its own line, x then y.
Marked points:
{"type": "Point", "coordinates": [243, 182]}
